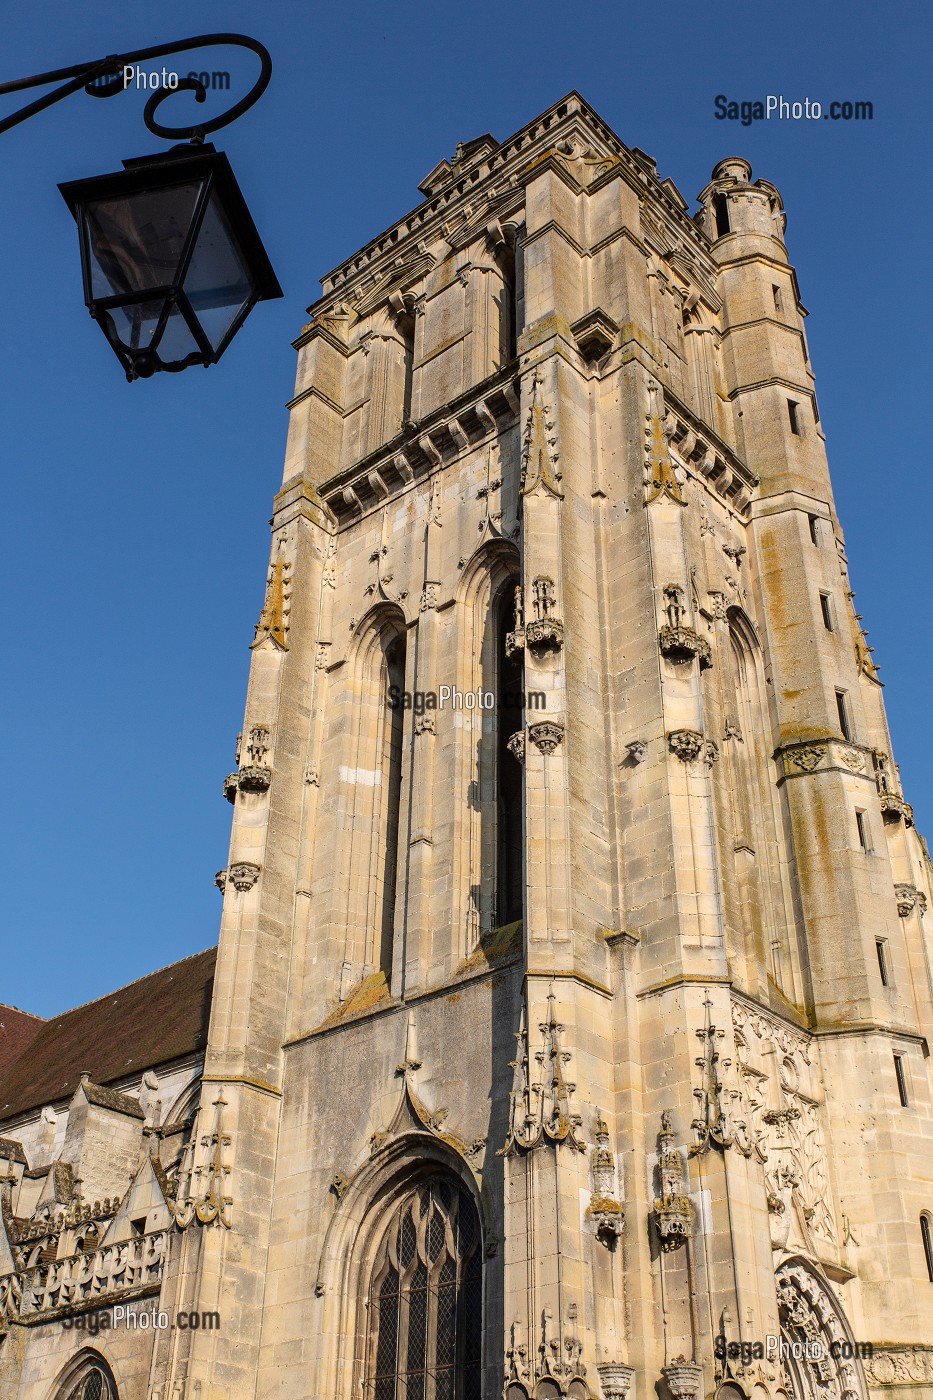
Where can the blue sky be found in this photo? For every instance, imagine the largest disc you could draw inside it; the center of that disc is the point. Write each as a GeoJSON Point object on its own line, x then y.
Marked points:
{"type": "Point", "coordinates": [136, 537]}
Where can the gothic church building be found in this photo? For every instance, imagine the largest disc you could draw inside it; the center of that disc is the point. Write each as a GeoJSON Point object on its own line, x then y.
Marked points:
{"type": "Point", "coordinates": [568, 1030]}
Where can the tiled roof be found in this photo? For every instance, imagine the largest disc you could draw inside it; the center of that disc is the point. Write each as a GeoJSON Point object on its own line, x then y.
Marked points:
{"type": "Point", "coordinates": [17, 1029]}
{"type": "Point", "coordinates": [157, 1019]}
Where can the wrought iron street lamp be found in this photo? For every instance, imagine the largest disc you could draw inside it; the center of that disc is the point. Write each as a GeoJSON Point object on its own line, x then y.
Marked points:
{"type": "Point", "coordinates": [171, 258]}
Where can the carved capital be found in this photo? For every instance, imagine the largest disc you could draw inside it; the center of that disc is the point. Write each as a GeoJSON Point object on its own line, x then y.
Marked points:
{"type": "Point", "coordinates": [516, 745]}
{"type": "Point", "coordinates": [686, 744]}
{"type": "Point", "coordinates": [244, 875]}
{"type": "Point", "coordinates": [909, 898]}
{"type": "Point", "coordinates": [546, 736]}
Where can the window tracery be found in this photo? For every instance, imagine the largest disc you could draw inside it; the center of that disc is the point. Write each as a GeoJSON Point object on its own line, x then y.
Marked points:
{"type": "Point", "coordinates": [425, 1299]}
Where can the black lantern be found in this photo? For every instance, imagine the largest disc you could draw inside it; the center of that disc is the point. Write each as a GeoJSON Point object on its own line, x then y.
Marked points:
{"type": "Point", "coordinates": [172, 261]}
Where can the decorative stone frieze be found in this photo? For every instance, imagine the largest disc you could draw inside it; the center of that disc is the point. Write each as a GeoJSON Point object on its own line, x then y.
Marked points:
{"type": "Point", "coordinates": [904, 1365]}
{"type": "Point", "coordinates": [805, 758]}
{"type": "Point", "coordinates": [244, 875]}
{"type": "Point", "coordinates": [546, 735]}
{"type": "Point", "coordinates": [673, 1211]}
{"type": "Point", "coordinates": [108, 1274]}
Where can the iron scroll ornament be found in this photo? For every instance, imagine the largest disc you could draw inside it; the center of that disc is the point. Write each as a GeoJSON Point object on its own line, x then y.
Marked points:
{"type": "Point", "coordinates": [103, 77]}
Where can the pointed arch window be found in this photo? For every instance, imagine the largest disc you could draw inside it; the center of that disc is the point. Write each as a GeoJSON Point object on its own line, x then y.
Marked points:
{"type": "Point", "coordinates": [425, 1299]}
{"type": "Point", "coordinates": [92, 1382]}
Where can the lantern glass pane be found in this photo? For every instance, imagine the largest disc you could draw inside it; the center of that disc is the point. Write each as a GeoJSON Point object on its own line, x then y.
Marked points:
{"type": "Point", "coordinates": [135, 243]}
{"type": "Point", "coordinates": [136, 323]}
{"type": "Point", "coordinates": [177, 342]}
{"type": "Point", "coordinates": [217, 283]}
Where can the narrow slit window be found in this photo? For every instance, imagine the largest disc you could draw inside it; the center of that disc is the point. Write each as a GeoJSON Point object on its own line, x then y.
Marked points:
{"type": "Point", "coordinates": [794, 416]}
{"type": "Point", "coordinates": [721, 209]}
{"type": "Point", "coordinates": [862, 830]}
{"type": "Point", "coordinates": [826, 608]}
{"type": "Point", "coordinates": [815, 529]}
{"type": "Point", "coordinates": [882, 962]}
{"type": "Point", "coordinates": [816, 410]}
{"type": "Point", "coordinates": [927, 1238]}
{"type": "Point", "coordinates": [900, 1075]}
{"type": "Point", "coordinates": [842, 708]}
{"type": "Point", "coordinates": [778, 298]}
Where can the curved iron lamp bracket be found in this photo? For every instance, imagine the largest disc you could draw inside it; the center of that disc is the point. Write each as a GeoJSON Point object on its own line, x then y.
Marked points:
{"type": "Point", "coordinates": [92, 77]}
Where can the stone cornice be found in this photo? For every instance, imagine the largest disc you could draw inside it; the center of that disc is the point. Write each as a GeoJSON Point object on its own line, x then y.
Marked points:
{"type": "Point", "coordinates": [707, 455]}
{"type": "Point", "coordinates": [463, 424]}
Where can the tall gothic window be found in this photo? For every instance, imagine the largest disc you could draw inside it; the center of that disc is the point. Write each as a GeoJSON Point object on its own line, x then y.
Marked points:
{"type": "Point", "coordinates": [425, 1299]}
{"type": "Point", "coordinates": [391, 756]}
{"type": "Point", "coordinates": [509, 871]}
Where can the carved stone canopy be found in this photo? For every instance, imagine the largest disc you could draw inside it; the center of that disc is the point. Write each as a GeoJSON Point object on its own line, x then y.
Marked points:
{"type": "Point", "coordinates": [615, 1378]}
{"type": "Point", "coordinates": [680, 644]}
{"type": "Point", "coordinates": [684, 1378]}
{"type": "Point", "coordinates": [254, 777]}
{"type": "Point", "coordinates": [894, 808]}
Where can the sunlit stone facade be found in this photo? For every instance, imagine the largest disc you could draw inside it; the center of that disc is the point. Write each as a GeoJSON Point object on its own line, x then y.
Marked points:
{"type": "Point", "coordinates": [572, 1044]}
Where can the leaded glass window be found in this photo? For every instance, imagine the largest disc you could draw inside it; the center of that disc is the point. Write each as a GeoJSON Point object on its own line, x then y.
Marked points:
{"type": "Point", "coordinates": [425, 1299]}
{"type": "Point", "coordinates": [93, 1385]}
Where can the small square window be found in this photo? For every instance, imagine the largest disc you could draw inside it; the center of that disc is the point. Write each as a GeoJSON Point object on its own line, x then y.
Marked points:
{"type": "Point", "coordinates": [826, 608]}
{"type": "Point", "coordinates": [900, 1075]}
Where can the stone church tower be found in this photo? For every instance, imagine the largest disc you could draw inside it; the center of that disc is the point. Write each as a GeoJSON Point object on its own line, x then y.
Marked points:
{"type": "Point", "coordinates": [569, 1029]}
